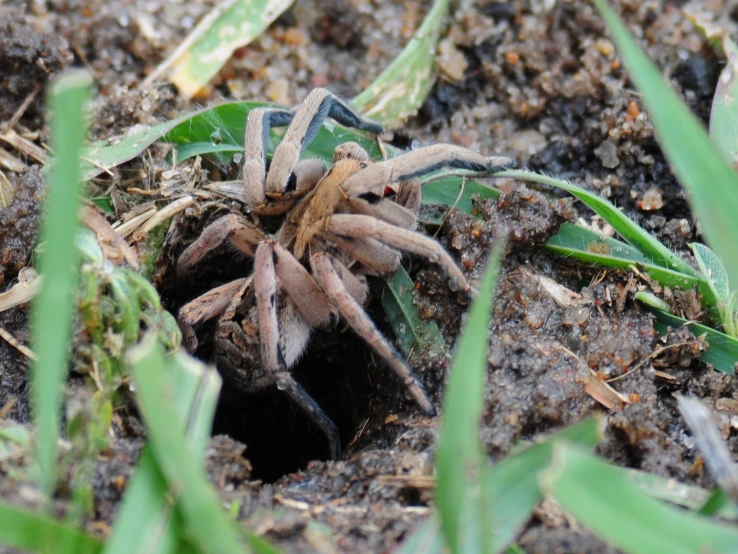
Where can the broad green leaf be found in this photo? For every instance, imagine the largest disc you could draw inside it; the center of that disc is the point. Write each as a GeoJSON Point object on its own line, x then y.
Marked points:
{"type": "Point", "coordinates": [230, 25]}
{"type": "Point", "coordinates": [463, 504]}
{"type": "Point", "coordinates": [401, 89]}
{"type": "Point", "coordinates": [454, 191]}
{"type": "Point", "coordinates": [54, 306]}
{"type": "Point", "coordinates": [33, 532]}
{"type": "Point", "coordinates": [196, 501]}
{"type": "Point", "coordinates": [604, 501]}
{"type": "Point", "coordinates": [701, 169]}
{"type": "Point", "coordinates": [106, 154]}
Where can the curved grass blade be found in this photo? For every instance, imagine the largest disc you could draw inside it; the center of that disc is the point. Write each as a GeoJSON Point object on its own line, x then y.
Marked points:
{"type": "Point", "coordinates": [230, 25]}
{"type": "Point", "coordinates": [401, 89]}
{"type": "Point", "coordinates": [463, 504]}
{"type": "Point", "coordinates": [631, 232]}
{"type": "Point", "coordinates": [513, 482]}
{"type": "Point", "coordinates": [602, 498]}
{"type": "Point", "coordinates": [701, 169]}
{"type": "Point", "coordinates": [587, 246]}
{"type": "Point", "coordinates": [204, 518]}
{"type": "Point", "coordinates": [53, 308]}
{"type": "Point", "coordinates": [33, 532]}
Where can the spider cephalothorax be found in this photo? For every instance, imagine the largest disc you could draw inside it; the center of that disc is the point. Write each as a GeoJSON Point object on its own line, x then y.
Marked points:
{"type": "Point", "coordinates": [340, 225]}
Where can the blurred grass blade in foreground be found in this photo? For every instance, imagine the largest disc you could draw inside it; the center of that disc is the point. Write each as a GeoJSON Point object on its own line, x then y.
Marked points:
{"type": "Point", "coordinates": [604, 500]}
{"type": "Point", "coordinates": [53, 308]}
{"type": "Point", "coordinates": [204, 519]}
{"type": "Point", "coordinates": [147, 520]}
{"type": "Point", "coordinates": [463, 505]}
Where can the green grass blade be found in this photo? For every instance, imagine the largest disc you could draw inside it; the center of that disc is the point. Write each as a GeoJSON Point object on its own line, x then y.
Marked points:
{"type": "Point", "coordinates": [514, 490]}
{"type": "Point", "coordinates": [602, 499]}
{"type": "Point", "coordinates": [701, 169]}
{"type": "Point", "coordinates": [147, 521]}
{"type": "Point", "coordinates": [52, 310]}
{"type": "Point", "coordinates": [669, 490]}
{"type": "Point", "coordinates": [631, 232]}
{"type": "Point", "coordinates": [426, 539]}
{"type": "Point", "coordinates": [573, 241]}
{"type": "Point", "coordinates": [34, 532]}
{"type": "Point", "coordinates": [513, 482]}
{"type": "Point", "coordinates": [401, 89]}
{"type": "Point", "coordinates": [413, 333]}
{"type": "Point", "coordinates": [205, 520]}
{"type": "Point", "coordinates": [460, 460]}
{"type": "Point", "coordinates": [228, 26]}
{"type": "Point", "coordinates": [260, 546]}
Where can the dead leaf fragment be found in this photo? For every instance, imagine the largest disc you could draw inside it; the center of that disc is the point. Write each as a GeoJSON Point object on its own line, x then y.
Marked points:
{"type": "Point", "coordinates": [7, 192]}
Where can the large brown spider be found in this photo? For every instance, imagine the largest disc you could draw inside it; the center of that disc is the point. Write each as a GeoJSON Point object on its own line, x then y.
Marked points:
{"type": "Point", "coordinates": [342, 224]}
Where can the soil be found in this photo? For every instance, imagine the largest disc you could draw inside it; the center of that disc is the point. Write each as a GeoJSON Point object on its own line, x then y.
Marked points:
{"type": "Point", "coordinates": [542, 83]}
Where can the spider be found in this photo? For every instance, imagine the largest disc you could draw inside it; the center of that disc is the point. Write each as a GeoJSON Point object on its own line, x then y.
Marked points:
{"type": "Point", "coordinates": [340, 225]}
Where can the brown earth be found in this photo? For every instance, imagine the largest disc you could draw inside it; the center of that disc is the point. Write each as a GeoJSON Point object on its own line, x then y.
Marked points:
{"type": "Point", "coordinates": [543, 83]}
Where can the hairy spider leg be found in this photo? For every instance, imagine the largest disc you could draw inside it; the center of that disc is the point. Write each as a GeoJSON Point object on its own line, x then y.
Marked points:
{"type": "Point", "coordinates": [309, 117]}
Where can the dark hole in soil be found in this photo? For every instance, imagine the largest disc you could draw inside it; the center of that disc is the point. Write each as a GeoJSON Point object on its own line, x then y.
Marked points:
{"type": "Point", "coordinates": [280, 437]}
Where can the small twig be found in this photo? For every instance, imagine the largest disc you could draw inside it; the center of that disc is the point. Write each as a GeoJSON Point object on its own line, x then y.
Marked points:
{"type": "Point", "coordinates": [21, 109]}
{"type": "Point", "coordinates": [25, 146]}
{"type": "Point", "coordinates": [125, 229]}
{"type": "Point", "coordinates": [9, 405]}
{"type": "Point", "coordinates": [12, 341]}
{"type": "Point", "coordinates": [166, 212]}
{"type": "Point", "coordinates": [659, 350]}
{"type": "Point", "coordinates": [452, 206]}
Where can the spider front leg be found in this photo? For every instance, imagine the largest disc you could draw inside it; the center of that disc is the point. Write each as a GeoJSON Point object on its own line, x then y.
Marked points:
{"type": "Point", "coordinates": [373, 179]}
{"type": "Point", "coordinates": [332, 284]}
{"type": "Point", "coordinates": [308, 118]}
{"type": "Point", "coordinates": [303, 177]}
